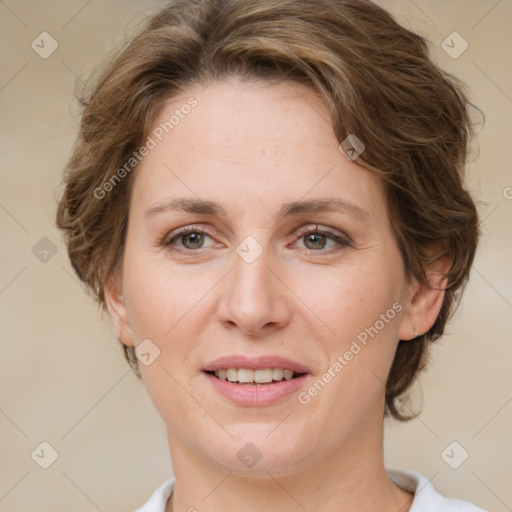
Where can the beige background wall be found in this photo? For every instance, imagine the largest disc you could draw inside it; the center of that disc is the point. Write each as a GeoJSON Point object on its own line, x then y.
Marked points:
{"type": "Point", "coordinates": [63, 376]}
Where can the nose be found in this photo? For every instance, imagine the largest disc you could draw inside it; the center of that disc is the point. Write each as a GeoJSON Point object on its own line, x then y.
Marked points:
{"type": "Point", "coordinates": [255, 300]}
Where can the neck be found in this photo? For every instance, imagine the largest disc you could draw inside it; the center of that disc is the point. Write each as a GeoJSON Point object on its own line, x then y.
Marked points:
{"type": "Point", "coordinates": [350, 478]}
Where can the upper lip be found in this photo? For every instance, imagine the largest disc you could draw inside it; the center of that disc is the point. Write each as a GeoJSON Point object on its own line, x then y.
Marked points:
{"type": "Point", "coordinates": [255, 363]}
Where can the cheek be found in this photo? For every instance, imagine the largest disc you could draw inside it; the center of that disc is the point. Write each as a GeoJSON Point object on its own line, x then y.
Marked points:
{"type": "Point", "coordinates": [358, 308]}
{"type": "Point", "coordinates": [162, 304]}
{"type": "Point", "coordinates": [350, 298]}
{"type": "Point", "coordinates": [159, 296]}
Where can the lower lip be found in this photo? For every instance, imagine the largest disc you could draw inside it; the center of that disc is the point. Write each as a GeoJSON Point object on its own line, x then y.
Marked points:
{"type": "Point", "coordinates": [256, 395]}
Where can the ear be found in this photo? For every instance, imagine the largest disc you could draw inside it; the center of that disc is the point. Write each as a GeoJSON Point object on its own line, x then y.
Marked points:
{"type": "Point", "coordinates": [425, 302]}
{"type": "Point", "coordinates": [117, 310]}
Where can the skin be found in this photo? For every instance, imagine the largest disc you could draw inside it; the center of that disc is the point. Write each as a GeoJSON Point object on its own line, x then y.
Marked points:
{"type": "Point", "coordinates": [252, 147]}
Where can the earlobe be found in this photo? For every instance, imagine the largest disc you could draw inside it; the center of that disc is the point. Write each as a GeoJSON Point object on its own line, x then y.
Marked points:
{"type": "Point", "coordinates": [117, 311]}
{"type": "Point", "coordinates": [425, 302]}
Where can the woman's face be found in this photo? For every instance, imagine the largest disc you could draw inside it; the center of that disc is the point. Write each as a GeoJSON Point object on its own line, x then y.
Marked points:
{"type": "Point", "coordinates": [254, 286]}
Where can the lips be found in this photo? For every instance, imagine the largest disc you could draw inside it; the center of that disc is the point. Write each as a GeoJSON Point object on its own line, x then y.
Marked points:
{"type": "Point", "coordinates": [256, 394]}
{"type": "Point", "coordinates": [255, 363]}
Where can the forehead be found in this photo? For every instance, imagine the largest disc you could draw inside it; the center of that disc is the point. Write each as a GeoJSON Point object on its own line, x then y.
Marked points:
{"type": "Point", "coordinates": [272, 140]}
{"type": "Point", "coordinates": [256, 116]}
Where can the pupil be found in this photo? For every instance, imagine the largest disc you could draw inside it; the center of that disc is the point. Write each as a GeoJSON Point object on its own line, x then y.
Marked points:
{"type": "Point", "coordinates": [314, 235]}
{"type": "Point", "coordinates": [196, 237]}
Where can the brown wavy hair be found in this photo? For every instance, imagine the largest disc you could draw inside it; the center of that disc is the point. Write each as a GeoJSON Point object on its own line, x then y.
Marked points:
{"type": "Point", "coordinates": [375, 76]}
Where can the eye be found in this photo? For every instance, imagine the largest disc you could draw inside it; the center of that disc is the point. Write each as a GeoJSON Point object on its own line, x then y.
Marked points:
{"type": "Point", "coordinates": [192, 238]}
{"type": "Point", "coordinates": [315, 239]}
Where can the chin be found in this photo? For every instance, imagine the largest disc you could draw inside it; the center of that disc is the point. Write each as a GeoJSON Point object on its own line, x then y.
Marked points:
{"type": "Point", "coordinates": [258, 448]}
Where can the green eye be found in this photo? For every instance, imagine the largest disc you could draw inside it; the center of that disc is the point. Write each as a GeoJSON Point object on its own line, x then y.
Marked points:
{"type": "Point", "coordinates": [185, 234]}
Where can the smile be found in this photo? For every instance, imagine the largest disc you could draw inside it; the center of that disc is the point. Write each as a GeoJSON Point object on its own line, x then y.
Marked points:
{"type": "Point", "coordinates": [249, 376]}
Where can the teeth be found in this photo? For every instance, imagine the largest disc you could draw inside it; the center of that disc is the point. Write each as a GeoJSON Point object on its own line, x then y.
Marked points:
{"type": "Point", "coordinates": [277, 373]}
{"type": "Point", "coordinates": [288, 374]}
{"type": "Point", "coordinates": [232, 374]}
{"type": "Point", "coordinates": [263, 376]}
{"type": "Point", "coordinates": [247, 376]}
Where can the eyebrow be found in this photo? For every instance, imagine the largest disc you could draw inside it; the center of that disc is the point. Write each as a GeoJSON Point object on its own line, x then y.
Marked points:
{"type": "Point", "coordinates": [204, 207]}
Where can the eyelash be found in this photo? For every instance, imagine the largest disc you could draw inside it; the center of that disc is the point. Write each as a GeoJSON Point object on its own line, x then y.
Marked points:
{"type": "Point", "coordinates": [341, 241]}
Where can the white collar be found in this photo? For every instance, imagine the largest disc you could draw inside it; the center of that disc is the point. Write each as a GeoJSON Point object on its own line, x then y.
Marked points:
{"type": "Point", "coordinates": [426, 498]}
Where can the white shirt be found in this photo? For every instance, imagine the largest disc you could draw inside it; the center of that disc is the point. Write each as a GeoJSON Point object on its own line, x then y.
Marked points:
{"type": "Point", "coordinates": [426, 498]}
